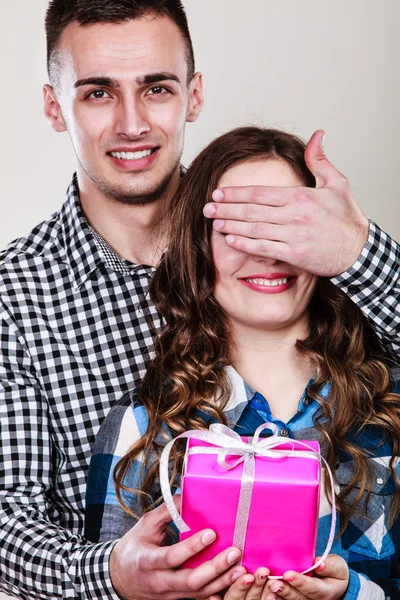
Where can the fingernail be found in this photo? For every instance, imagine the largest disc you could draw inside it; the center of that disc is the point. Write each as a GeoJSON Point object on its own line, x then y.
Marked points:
{"type": "Point", "coordinates": [263, 576]}
{"type": "Point", "coordinates": [323, 141]}
{"type": "Point", "coordinates": [277, 589]}
{"type": "Point", "coordinates": [218, 224]}
{"type": "Point", "coordinates": [230, 239]}
{"type": "Point", "coordinates": [288, 578]}
{"type": "Point", "coordinates": [208, 537]}
{"type": "Point", "coordinates": [209, 210]}
{"type": "Point", "coordinates": [217, 195]}
{"type": "Point", "coordinates": [236, 576]}
{"type": "Point", "coordinates": [233, 556]}
{"type": "Point", "coordinates": [321, 567]}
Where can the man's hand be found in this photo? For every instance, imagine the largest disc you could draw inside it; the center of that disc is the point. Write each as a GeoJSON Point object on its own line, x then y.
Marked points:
{"type": "Point", "coordinates": [142, 569]}
{"type": "Point", "coordinates": [320, 230]}
{"type": "Point", "coordinates": [330, 583]}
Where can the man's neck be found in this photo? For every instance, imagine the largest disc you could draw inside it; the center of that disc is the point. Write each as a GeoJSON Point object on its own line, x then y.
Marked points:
{"type": "Point", "coordinates": [135, 232]}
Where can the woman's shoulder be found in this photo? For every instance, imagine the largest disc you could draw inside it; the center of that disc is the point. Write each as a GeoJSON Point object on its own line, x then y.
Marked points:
{"type": "Point", "coordinates": [125, 423]}
{"type": "Point", "coordinates": [394, 373]}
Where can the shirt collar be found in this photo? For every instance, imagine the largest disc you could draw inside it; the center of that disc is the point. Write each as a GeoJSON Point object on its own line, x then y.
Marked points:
{"type": "Point", "coordinates": [79, 246]}
{"type": "Point", "coordinates": [242, 393]}
{"type": "Point", "coordinates": [84, 248]}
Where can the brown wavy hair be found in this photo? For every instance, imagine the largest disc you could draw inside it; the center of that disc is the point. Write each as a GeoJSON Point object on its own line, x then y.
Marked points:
{"type": "Point", "coordinates": [186, 385]}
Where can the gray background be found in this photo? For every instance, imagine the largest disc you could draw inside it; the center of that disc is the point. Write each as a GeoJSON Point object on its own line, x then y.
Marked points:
{"type": "Point", "coordinates": [296, 64]}
{"type": "Point", "coordinates": [299, 65]}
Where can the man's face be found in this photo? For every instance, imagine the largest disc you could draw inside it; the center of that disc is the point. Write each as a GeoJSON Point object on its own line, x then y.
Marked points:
{"type": "Point", "coordinates": [124, 98]}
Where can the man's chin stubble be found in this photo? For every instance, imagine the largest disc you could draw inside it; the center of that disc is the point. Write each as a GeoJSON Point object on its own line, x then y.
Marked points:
{"type": "Point", "coordinates": [132, 197]}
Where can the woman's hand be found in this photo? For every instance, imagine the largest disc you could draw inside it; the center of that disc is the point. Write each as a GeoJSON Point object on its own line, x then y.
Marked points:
{"type": "Point", "coordinates": [329, 583]}
{"type": "Point", "coordinates": [246, 587]}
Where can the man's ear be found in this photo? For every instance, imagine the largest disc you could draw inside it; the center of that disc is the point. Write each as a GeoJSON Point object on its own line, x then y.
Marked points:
{"type": "Point", "coordinates": [52, 109]}
{"type": "Point", "coordinates": [196, 99]}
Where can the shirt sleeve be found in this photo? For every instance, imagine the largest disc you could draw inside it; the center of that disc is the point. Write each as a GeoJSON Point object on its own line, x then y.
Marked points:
{"type": "Point", "coordinates": [372, 283]}
{"type": "Point", "coordinates": [362, 588]}
{"type": "Point", "coordinates": [38, 559]}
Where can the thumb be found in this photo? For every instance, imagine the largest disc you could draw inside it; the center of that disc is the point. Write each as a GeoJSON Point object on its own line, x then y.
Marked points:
{"type": "Point", "coordinates": [314, 155]}
{"type": "Point", "coordinates": [153, 524]}
{"type": "Point", "coordinates": [334, 567]}
{"type": "Point", "coordinates": [161, 513]}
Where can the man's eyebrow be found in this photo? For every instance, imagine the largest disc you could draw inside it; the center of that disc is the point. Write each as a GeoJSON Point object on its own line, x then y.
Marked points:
{"type": "Point", "coordinates": [156, 77]}
{"type": "Point", "coordinates": [100, 81]}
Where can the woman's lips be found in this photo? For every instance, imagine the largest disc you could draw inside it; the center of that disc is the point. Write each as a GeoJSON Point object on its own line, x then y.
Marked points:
{"type": "Point", "coordinates": [271, 283]}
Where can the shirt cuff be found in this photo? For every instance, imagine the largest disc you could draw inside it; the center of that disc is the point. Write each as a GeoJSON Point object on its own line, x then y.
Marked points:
{"type": "Point", "coordinates": [93, 573]}
{"type": "Point", "coordinates": [362, 588]}
{"type": "Point", "coordinates": [353, 587]}
{"type": "Point", "coordinates": [376, 268]}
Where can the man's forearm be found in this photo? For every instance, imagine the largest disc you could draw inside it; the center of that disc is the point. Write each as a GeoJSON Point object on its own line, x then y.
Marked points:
{"type": "Point", "coordinates": [373, 283]}
{"type": "Point", "coordinates": [41, 560]}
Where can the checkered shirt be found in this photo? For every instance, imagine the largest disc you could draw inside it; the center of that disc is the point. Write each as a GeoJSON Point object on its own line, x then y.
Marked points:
{"type": "Point", "coordinates": [370, 544]}
{"type": "Point", "coordinates": [75, 338]}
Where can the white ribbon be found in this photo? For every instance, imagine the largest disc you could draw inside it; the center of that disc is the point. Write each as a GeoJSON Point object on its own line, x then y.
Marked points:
{"type": "Point", "coordinates": [230, 443]}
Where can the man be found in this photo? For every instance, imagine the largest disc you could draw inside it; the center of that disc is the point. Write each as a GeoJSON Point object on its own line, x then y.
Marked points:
{"type": "Point", "coordinates": [75, 326]}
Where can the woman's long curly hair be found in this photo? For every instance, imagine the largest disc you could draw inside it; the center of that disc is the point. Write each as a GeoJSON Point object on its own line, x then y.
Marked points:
{"type": "Point", "coordinates": [186, 383]}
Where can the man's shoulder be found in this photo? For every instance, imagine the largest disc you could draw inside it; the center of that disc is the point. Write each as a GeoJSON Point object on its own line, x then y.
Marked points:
{"type": "Point", "coordinates": [26, 262]}
{"type": "Point", "coordinates": [39, 242]}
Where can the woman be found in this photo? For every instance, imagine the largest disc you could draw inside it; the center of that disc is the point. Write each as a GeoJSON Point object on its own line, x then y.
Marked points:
{"type": "Point", "coordinates": [248, 340]}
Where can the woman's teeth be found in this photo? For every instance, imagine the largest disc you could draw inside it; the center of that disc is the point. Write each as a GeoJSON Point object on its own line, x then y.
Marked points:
{"type": "Point", "coordinates": [268, 282]}
{"type": "Point", "coordinates": [131, 155]}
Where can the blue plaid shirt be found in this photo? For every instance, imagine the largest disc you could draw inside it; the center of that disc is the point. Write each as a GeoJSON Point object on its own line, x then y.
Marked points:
{"type": "Point", "coordinates": [369, 545]}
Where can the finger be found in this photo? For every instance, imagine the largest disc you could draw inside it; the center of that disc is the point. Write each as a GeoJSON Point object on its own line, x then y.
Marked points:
{"type": "Point", "coordinates": [210, 570]}
{"type": "Point", "coordinates": [266, 195]}
{"type": "Point", "coordinates": [246, 212]}
{"type": "Point", "coordinates": [160, 516]}
{"type": "Point", "coordinates": [323, 171]}
{"type": "Point", "coordinates": [264, 248]}
{"type": "Point", "coordinates": [187, 584]}
{"type": "Point", "coordinates": [256, 589]}
{"type": "Point", "coordinates": [264, 231]}
{"type": "Point", "coordinates": [281, 589]}
{"type": "Point", "coordinates": [335, 567]}
{"type": "Point", "coordinates": [170, 557]}
{"type": "Point", "coordinates": [239, 589]}
{"type": "Point", "coordinates": [308, 586]}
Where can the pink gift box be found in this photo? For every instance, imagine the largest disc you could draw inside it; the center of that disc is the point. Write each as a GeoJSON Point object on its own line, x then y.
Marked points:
{"type": "Point", "coordinates": [283, 519]}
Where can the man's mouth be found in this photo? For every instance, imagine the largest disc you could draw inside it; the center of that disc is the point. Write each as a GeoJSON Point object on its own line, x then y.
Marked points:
{"type": "Point", "coordinates": [133, 155]}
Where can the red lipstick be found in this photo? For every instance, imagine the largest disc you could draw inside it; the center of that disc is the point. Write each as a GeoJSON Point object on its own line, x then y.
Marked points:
{"type": "Point", "coordinates": [269, 289]}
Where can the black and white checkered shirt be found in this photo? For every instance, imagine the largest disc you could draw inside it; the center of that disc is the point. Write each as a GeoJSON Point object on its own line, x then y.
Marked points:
{"type": "Point", "coordinates": [75, 337]}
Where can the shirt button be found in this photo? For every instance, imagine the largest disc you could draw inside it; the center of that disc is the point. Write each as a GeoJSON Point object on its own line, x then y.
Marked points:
{"type": "Point", "coordinates": [379, 480]}
{"type": "Point", "coordinates": [284, 432]}
{"type": "Point", "coordinates": [306, 401]}
{"type": "Point", "coordinates": [353, 289]}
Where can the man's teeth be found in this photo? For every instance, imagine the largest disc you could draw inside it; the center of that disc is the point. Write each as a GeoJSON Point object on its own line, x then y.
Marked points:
{"type": "Point", "coordinates": [131, 155]}
{"type": "Point", "coordinates": [268, 282]}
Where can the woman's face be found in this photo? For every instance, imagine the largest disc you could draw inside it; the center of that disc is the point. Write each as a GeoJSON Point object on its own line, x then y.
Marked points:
{"type": "Point", "coordinates": [260, 293]}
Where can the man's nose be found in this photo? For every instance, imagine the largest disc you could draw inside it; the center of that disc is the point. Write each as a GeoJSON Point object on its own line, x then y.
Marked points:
{"type": "Point", "coordinates": [131, 121]}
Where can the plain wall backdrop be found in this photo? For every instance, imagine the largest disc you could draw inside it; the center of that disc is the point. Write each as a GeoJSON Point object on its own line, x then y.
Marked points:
{"type": "Point", "coordinates": [298, 65]}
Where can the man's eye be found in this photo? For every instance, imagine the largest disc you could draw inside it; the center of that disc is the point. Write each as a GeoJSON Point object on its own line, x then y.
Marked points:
{"type": "Point", "coordinates": [157, 89]}
{"type": "Point", "coordinates": [98, 94]}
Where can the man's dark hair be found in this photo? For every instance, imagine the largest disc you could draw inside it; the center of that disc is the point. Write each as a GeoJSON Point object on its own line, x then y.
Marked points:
{"type": "Point", "coordinates": [61, 13]}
